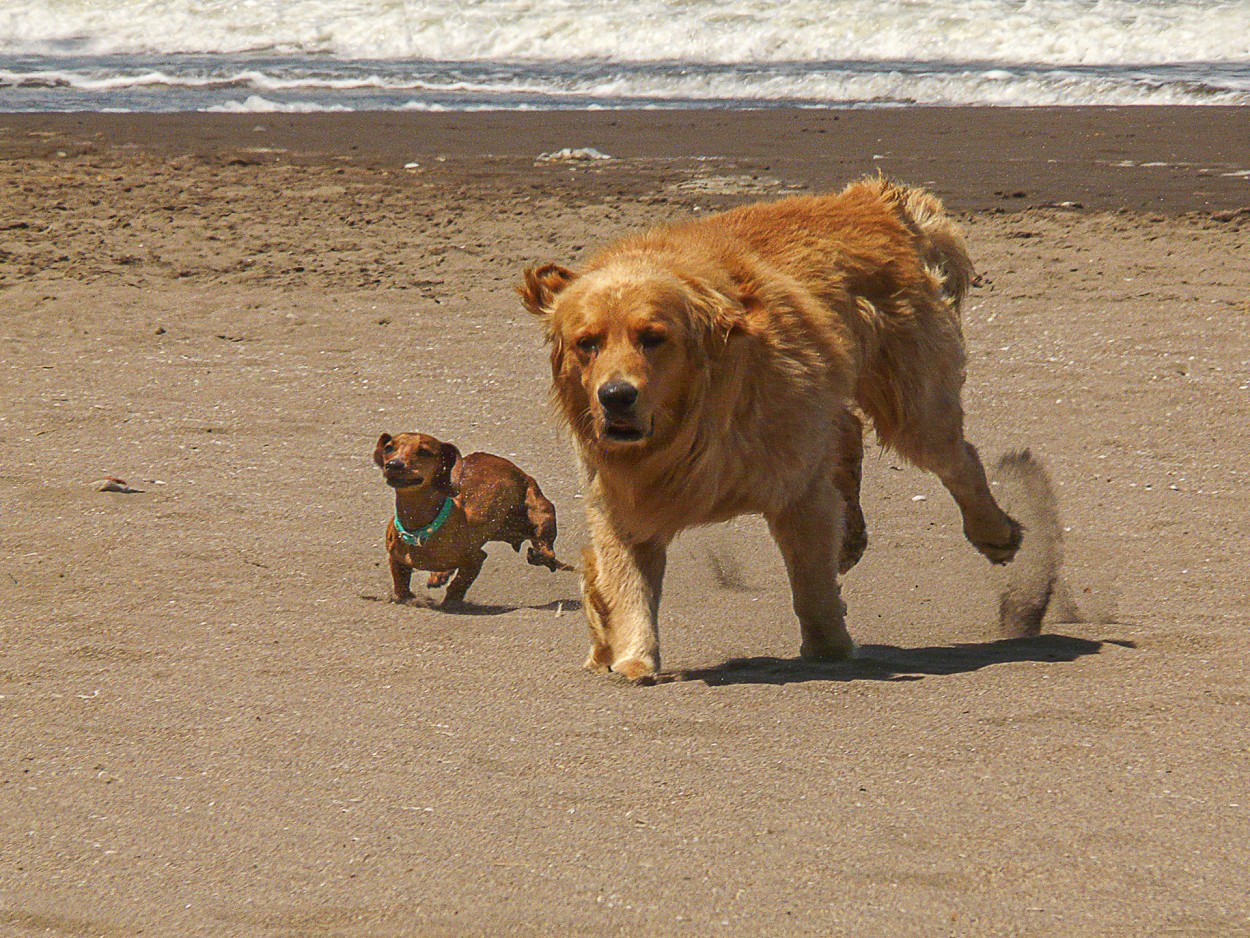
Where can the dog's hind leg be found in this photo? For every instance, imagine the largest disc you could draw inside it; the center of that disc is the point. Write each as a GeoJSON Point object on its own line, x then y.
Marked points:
{"type": "Point", "coordinates": [986, 526]}
{"type": "Point", "coordinates": [847, 473]}
{"type": "Point", "coordinates": [809, 535]}
{"type": "Point", "coordinates": [540, 526]}
{"type": "Point", "coordinates": [438, 579]}
{"type": "Point", "coordinates": [466, 573]}
{"type": "Point", "coordinates": [913, 394]}
{"type": "Point", "coordinates": [932, 437]}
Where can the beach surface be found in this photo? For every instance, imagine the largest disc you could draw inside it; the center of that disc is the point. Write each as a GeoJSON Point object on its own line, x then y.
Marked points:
{"type": "Point", "coordinates": [214, 723]}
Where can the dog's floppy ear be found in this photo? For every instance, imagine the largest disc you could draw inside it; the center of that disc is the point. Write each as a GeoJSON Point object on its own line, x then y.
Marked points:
{"type": "Point", "coordinates": [379, 457]}
{"type": "Point", "coordinates": [721, 316]}
{"type": "Point", "coordinates": [450, 469]}
{"type": "Point", "coordinates": [542, 285]}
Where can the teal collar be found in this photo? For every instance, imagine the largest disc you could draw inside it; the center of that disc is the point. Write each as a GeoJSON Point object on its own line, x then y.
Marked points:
{"type": "Point", "coordinates": [419, 537]}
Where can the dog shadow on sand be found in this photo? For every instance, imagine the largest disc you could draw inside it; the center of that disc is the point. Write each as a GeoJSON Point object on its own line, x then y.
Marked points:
{"type": "Point", "coordinates": [891, 663]}
{"type": "Point", "coordinates": [469, 608]}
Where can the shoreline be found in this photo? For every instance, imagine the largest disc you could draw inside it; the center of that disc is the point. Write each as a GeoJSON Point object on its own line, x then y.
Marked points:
{"type": "Point", "coordinates": [1169, 160]}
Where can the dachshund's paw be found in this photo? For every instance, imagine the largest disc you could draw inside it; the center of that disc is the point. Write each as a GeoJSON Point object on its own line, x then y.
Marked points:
{"type": "Point", "coordinates": [546, 558]}
{"type": "Point", "coordinates": [402, 599]}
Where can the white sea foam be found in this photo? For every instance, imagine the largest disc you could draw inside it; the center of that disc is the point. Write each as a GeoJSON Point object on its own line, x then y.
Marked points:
{"type": "Point", "coordinates": [430, 88]}
{"type": "Point", "coordinates": [255, 104]}
{"type": "Point", "coordinates": [521, 54]}
{"type": "Point", "coordinates": [1073, 32]}
{"type": "Point", "coordinates": [94, 79]}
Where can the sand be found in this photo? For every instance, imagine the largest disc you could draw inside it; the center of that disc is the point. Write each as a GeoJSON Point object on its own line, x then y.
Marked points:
{"type": "Point", "coordinates": [212, 724]}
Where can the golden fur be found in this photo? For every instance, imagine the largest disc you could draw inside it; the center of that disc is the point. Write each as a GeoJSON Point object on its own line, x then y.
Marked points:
{"type": "Point", "coordinates": [719, 367]}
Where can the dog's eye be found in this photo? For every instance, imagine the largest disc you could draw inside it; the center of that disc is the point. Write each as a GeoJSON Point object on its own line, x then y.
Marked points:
{"type": "Point", "coordinates": [588, 344]}
{"type": "Point", "coordinates": [651, 339]}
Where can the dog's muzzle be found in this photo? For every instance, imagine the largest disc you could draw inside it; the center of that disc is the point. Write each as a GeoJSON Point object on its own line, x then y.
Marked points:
{"type": "Point", "coordinates": [620, 423]}
{"type": "Point", "coordinates": [397, 475]}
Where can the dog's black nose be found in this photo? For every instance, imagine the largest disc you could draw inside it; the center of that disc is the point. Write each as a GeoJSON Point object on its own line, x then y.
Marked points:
{"type": "Point", "coordinates": [617, 395]}
{"type": "Point", "coordinates": [394, 465]}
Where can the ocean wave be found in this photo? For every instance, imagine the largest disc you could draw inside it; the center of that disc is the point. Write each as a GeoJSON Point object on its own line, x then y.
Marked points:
{"type": "Point", "coordinates": [1048, 32]}
{"type": "Point", "coordinates": [222, 84]}
{"type": "Point", "coordinates": [98, 80]}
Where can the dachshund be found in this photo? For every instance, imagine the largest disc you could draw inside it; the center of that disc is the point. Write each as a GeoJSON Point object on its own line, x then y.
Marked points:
{"type": "Point", "coordinates": [447, 507]}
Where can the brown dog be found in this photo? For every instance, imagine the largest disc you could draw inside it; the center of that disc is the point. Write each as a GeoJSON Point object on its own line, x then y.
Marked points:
{"type": "Point", "coordinates": [447, 507]}
{"type": "Point", "coordinates": [719, 367]}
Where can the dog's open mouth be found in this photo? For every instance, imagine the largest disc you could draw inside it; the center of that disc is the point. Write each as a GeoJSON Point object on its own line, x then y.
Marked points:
{"type": "Point", "coordinates": [617, 430]}
{"type": "Point", "coordinates": [401, 480]}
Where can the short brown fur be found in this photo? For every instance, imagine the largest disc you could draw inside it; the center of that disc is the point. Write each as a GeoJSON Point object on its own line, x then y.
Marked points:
{"type": "Point", "coordinates": [492, 500]}
{"type": "Point", "coordinates": [753, 341]}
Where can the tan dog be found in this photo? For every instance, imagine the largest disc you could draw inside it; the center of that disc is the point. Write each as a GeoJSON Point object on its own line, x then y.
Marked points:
{"type": "Point", "coordinates": [712, 368]}
{"type": "Point", "coordinates": [448, 507]}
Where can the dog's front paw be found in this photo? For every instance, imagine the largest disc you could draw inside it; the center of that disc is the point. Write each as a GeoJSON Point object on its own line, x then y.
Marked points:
{"type": "Point", "coordinates": [636, 670]}
{"type": "Point", "coordinates": [596, 663]}
{"type": "Point", "coordinates": [402, 599]}
{"type": "Point", "coordinates": [599, 660]}
{"type": "Point", "coordinates": [828, 651]}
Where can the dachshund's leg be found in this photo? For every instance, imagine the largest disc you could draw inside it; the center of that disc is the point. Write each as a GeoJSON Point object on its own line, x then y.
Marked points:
{"type": "Point", "coordinates": [439, 579]}
{"type": "Point", "coordinates": [541, 524]}
{"type": "Point", "coordinates": [465, 575]}
{"type": "Point", "coordinates": [401, 580]}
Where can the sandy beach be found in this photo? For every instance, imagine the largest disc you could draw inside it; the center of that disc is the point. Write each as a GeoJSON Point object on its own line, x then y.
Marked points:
{"type": "Point", "coordinates": [213, 723]}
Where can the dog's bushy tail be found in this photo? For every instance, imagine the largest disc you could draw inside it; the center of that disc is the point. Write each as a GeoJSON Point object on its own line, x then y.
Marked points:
{"type": "Point", "coordinates": [940, 240]}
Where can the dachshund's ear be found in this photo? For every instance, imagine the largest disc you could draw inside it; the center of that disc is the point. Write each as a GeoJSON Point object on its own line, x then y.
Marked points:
{"type": "Point", "coordinates": [542, 285]}
{"type": "Point", "coordinates": [379, 454]}
{"type": "Point", "coordinates": [450, 470]}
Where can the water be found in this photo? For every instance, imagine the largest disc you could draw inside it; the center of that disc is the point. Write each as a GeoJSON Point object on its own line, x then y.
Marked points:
{"type": "Point", "coordinates": [325, 55]}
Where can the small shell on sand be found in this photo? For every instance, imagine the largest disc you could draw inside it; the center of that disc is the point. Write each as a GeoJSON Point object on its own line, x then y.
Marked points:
{"type": "Point", "coordinates": [114, 484]}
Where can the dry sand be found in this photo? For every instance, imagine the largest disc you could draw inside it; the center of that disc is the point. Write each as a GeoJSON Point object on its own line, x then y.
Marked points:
{"type": "Point", "coordinates": [212, 725]}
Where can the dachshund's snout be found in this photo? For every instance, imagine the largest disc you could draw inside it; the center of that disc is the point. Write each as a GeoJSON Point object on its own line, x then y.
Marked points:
{"type": "Point", "coordinates": [397, 474]}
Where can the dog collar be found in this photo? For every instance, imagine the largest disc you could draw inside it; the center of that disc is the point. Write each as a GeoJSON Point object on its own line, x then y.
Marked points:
{"type": "Point", "coordinates": [419, 537]}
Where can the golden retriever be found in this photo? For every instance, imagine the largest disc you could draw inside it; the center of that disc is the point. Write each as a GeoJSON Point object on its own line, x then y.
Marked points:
{"type": "Point", "coordinates": [719, 367]}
